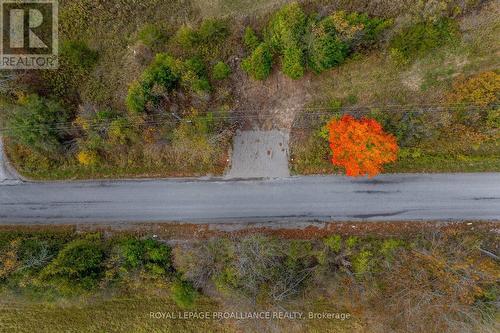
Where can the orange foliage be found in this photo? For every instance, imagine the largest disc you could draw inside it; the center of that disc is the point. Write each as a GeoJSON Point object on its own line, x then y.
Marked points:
{"type": "Point", "coordinates": [361, 147]}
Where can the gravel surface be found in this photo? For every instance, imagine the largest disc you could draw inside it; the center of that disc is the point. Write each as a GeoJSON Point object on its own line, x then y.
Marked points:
{"type": "Point", "coordinates": [260, 154]}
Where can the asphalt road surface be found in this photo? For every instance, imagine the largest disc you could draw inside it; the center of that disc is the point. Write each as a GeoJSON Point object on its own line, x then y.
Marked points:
{"type": "Point", "coordinates": [387, 197]}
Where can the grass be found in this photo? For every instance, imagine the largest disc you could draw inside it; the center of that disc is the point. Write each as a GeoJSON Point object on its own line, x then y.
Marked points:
{"type": "Point", "coordinates": [313, 157]}
{"type": "Point", "coordinates": [101, 314]}
{"type": "Point", "coordinates": [241, 8]}
{"type": "Point", "coordinates": [75, 171]}
{"type": "Point", "coordinates": [437, 272]}
{"type": "Point", "coordinates": [375, 80]}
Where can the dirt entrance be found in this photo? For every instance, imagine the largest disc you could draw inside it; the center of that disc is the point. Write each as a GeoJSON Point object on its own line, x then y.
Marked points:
{"type": "Point", "coordinates": [266, 111]}
{"type": "Point", "coordinates": [270, 104]}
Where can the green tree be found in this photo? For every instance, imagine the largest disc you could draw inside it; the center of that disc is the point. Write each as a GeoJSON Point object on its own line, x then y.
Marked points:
{"type": "Point", "coordinates": [326, 50]}
{"type": "Point", "coordinates": [258, 65]}
{"type": "Point", "coordinates": [419, 39]}
{"type": "Point", "coordinates": [79, 262]}
{"type": "Point", "coordinates": [39, 124]}
{"type": "Point", "coordinates": [285, 35]}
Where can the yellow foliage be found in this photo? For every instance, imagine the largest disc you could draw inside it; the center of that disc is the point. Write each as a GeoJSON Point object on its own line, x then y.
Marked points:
{"type": "Point", "coordinates": [87, 158]}
{"type": "Point", "coordinates": [8, 259]}
{"type": "Point", "coordinates": [480, 90]}
{"type": "Point", "coordinates": [346, 29]}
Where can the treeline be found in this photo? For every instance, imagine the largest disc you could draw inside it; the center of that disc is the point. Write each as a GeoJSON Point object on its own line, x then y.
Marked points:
{"type": "Point", "coordinates": [449, 276]}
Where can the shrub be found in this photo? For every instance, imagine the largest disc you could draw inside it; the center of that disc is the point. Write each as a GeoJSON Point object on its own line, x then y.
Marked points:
{"type": "Point", "coordinates": [9, 259]}
{"type": "Point", "coordinates": [87, 158]}
{"type": "Point", "coordinates": [213, 30]}
{"type": "Point", "coordinates": [164, 71]}
{"type": "Point", "coordinates": [250, 39]}
{"type": "Point", "coordinates": [194, 76]}
{"type": "Point", "coordinates": [38, 124]}
{"type": "Point", "coordinates": [137, 97]}
{"type": "Point", "coordinates": [419, 39]}
{"type": "Point", "coordinates": [153, 255]}
{"type": "Point", "coordinates": [132, 252]}
{"type": "Point", "coordinates": [120, 131]}
{"type": "Point", "coordinates": [221, 71]}
{"type": "Point", "coordinates": [293, 63]}
{"type": "Point", "coordinates": [183, 294]}
{"type": "Point", "coordinates": [187, 37]}
{"type": "Point", "coordinates": [196, 65]}
{"type": "Point", "coordinates": [326, 49]}
{"type": "Point", "coordinates": [493, 118]}
{"type": "Point", "coordinates": [334, 242]}
{"type": "Point", "coordinates": [78, 54]}
{"type": "Point", "coordinates": [285, 35]}
{"type": "Point", "coordinates": [287, 27]}
{"type": "Point", "coordinates": [258, 64]}
{"type": "Point", "coordinates": [479, 90]}
{"type": "Point", "coordinates": [150, 35]}
{"type": "Point", "coordinates": [158, 253]}
{"type": "Point", "coordinates": [389, 246]}
{"type": "Point", "coordinates": [361, 147]}
{"type": "Point", "coordinates": [357, 28]}
{"type": "Point", "coordinates": [362, 262]}
{"type": "Point", "coordinates": [80, 261]}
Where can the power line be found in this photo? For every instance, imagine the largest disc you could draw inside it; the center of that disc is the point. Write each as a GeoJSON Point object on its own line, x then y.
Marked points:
{"type": "Point", "coordinates": [232, 115]}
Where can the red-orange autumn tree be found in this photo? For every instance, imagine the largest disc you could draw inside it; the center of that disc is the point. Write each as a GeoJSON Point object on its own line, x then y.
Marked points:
{"type": "Point", "coordinates": [361, 147]}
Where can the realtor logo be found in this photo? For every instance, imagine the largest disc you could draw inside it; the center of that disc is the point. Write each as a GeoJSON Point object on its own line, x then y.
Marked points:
{"type": "Point", "coordinates": [29, 35]}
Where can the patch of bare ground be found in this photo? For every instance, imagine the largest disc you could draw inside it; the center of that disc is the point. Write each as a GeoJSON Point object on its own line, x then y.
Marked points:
{"type": "Point", "coordinates": [270, 104]}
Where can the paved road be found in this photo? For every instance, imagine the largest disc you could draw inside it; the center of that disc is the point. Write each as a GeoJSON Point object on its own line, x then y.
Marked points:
{"type": "Point", "coordinates": [389, 197]}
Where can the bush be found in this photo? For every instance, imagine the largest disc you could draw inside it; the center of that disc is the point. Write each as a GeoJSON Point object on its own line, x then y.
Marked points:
{"type": "Point", "coordinates": [87, 158]}
{"type": "Point", "coordinates": [137, 97]}
{"type": "Point", "coordinates": [357, 28]}
{"type": "Point", "coordinates": [158, 253]}
{"type": "Point", "coordinates": [220, 71]}
{"type": "Point", "coordinates": [80, 261]}
{"type": "Point", "coordinates": [480, 90]}
{"type": "Point", "coordinates": [334, 242]}
{"type": "Point", "coordinates": [38, 124]}
{"type": "Point", "coordinates": [196, 65]}
{"type": "Point", "coordinates": [183, 294]}
{"type": "Point", "coordinates": [132, 252]}
{"type": "Point", "coordinates": [493, 118]}
{"type": "Point", "coordinates": [419, 39]}
{"type": "Point", "coordinates": [150, 35]}
{"type": "Point", "coordinates": [285, 35]}
{"type": "Point", "coordinates": [258, 64]}
{"type": "Point", "coordinates": [250, 39]}
{"type": "Point", "coordinates": [120, 131]}
{"type": "Point", "coordinates": [362, 262]}
{"type": "Point", "coordinates": [287, 27]}
{"type": "Point", "coordinates": [213, 30]}
{"type": "Point", "coordinates": [153, 255]}
{"type": "Point", "coordinates": [164, 71]}
{"type": "Point", "coordinates": [326, 49]}
{"type": "Point", "coordinates": [78, 54]}
{"type": "Point", "coordinates": [293, 63]}
{"type": "Point", "coordinates": [187, 37]}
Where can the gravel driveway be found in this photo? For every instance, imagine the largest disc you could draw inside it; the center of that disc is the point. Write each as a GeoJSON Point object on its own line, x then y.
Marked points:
{"type": "Point", "coordinates": [259, 154]}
